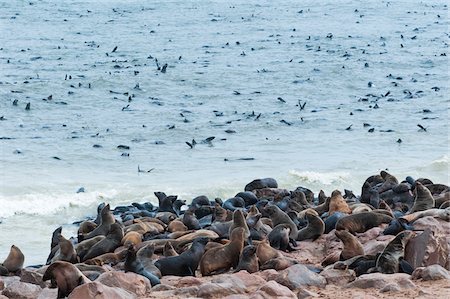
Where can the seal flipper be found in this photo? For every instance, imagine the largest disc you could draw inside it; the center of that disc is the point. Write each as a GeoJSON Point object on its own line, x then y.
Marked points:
{"type": "Point", "coordinates": [154, 280]}
{"type": "Point", "coordinates": [405, 267]}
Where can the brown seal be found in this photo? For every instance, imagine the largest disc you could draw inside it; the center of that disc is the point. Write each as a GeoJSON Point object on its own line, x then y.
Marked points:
{"type": "Point", "coordinates": [85, 228]}
{"type": "Point", "coordinates": [169, 250]}
{"type": "Point", "coordinates": [14, 260]}
{"type": "Point", "coordinates": [239, 221]}
{"type": "Point", "coordinates": [362, 222]}
{"type": "Point", "coordinates": [314, 229]}
{"type": "Point", "coordinates": [389, 182]}
{"type": "Point", "coordinates": [222, 258]}
{"type": "Point", "coordinates": [145, 256]}
{"type": "Point", "coordinates": [176, 226]}
{"type": "Point", "coordinates": [390, 259]}
{"type": "Point", "coordinates": [338, 204]}
{"type": "Point", "coordinates": [423, 200]}
{"type": "Point", "coordinates": [66, 276]}
{"type": "Point", "coordinates": [111, 259]}
{"type": "Point", "coordinates": [352, 246]}
{"type": "Point", "coordinates": [265, 252]}
{"type": "Point", "coordinates": [248, 260]}
{"type": "Point", "coordinates": [279, 263]}
{"type": "Point", "coordinates": [107, 219]}
{"type": "Point", "coordinates": [279, 217]}
{"type": "Point", "coordinates": [131, 238]}
{"type": "Point", "coordinates": [83, 247]}
{"type": "Point", "coordinates": [109, 244]}
{"type": "Point", "coordinates": [220, 214]}
{"type": "Point", "coordinates": [66, 251]}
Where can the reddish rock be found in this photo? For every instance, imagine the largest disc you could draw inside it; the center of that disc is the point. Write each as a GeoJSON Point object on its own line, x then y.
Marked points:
{"type": "Point", "coordinates": [374, 246]}
{"type": "Point", "coordinates": [187, 291]}
{"type": "Point", "coordinates": [267, 275]}
{"type": "Point", "coordinates": [371, 234]}
{"type": "Point", "coordinates": [338, 277]}
{"type": "Point", "coordinates": [272, 289]}
{"type": "Point", "coordinates": [131, 282]}
{"type": "Point", "coordinates": [428, 248]}
{"type": "Point", "coordinates": [3, 297]}
{"type": "Point", "coordinates": [21, 290]}
{"type": "Point", "coordinates": [304, 293]}
{"type": "Point", "coordinates": [48, 294]}
{"type": "Point", "coordinates": [32, 276]}
{"type": "Point", "coordinates": [188, 281]}
{"type": "Point", "coordinates": [379, 281]}
{"type": "Point", "coordinates": [251, 281]}
{"type": "Point", "coordinates": [299, 276]}
{"type": "Point", "coordinates": [162, 287]}
{"type": "Point", "coordinates": [433, 272]}
{"type": "Point", "coordinates": [98, 290]}
{"type": "Point", "coordinates": [2, 284]}
{"type": "Point", "coordinates": [219, 290]}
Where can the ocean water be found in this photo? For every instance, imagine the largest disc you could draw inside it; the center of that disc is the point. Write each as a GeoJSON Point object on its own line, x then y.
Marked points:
{"type": "Point", "coordinates": [238, 71]}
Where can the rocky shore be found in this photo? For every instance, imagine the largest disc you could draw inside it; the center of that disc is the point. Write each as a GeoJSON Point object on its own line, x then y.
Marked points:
{"type": "Point", "coordinates": [393, 240]}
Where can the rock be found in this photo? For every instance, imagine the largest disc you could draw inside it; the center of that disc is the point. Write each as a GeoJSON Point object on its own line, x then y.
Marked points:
{"type": "Point", "coordinates": [392, 287]}
{"type": "Point", "coordinates": [170, 280]}
{"type": "Point", "coordinates": [187, 281]}
{"type": "Point", "coordinates": [98, 290]}
{"type": "Point", "coordinates": [380, 281]}
{"type": "Point", "coordinates": [219, 290]}
{"type": "Point", "coordinates": [2, 284]}
{"type": "Point", "coordinates": [272, 289]}
{"type": "Point", "coordinates": [251, 281]}
{"type": "Point", "coordinates": [338, 277]}
{"type": "Point", "coordinates": [32, 276]}
{"type": "Point", "coordinates": [22, 290]}
{"type": "Point", "coordinates": [3, 297]}
{"type": "Point", "coordinates": [428, 248]}
{"type": "Point", "coordinates": [433, 272]}
{"type": "Point", "coordinates": [48, 294]}
{"type": "Point", "coordinates": [267, 275]}
{"type": "Point", "coordinates": [304, 293]}
{"type": "Point", "coordinates": [131, 282]}
{"type": "Point", "coordinates": [187, 291]}
{"type": "Point", "coordinates": [162, 287]}
{"type": "Point", "coordinates": [298, 276]}
{"type": "Point", "coordinates": [371, 234]}
{"type": "Point", "coordinates": [374, 246]}
{"type": "Point", "coordinates": [437, 225]}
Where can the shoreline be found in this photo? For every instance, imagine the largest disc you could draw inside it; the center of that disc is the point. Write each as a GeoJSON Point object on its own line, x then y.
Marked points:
{"type": "Point", "coordinates": [146, 225]}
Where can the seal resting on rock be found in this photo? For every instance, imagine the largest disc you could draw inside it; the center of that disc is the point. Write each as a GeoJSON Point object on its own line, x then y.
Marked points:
{"type": "Point", "coordinates": [391, 260]}
{"type": "Point", "coordinates": [362, 222]}
{"type": "Point", "coordinates": [220, 259]}
{"type": "Point", "coordinates": [15, 259]}
{"type": "Point", "coordinates": [314, 229]}
{"type": "Point", "coordinates": [66, 276]}
{"type": "Point", "coordinates": [352, 246]}
{"type": "Point", "coordinates": [424, 200]}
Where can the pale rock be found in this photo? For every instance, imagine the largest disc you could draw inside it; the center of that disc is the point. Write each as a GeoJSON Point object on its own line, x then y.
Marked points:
{"type": "Point", "coordinates": [131, 282]}
{"type": "Point", "coordinates": [433, 272]}
{"type": "Point", "coordinates": [380, 280]}
{"type": "Point", "coordinates": [21, 290]}
{"type": "Point", "coordinates": [338, 277]}
{"type": "Point", "coordinates": [299, 276]}
{"type": "Point", "coordinates": [98, 290]}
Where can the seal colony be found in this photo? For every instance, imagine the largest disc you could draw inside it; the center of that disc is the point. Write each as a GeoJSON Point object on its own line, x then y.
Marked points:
{"type": "Point", "coordinates": [264, 227]}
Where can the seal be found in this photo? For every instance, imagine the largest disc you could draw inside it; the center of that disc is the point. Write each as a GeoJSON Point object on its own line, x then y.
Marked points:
{"type": "Point", "coordinates": [107, 219]}
{"type": "Point", "coordinates": [220, 259]}
{"type": "Point", "coordinates": [352, 246]}
{"type": "Point", "coordinates": [240, 221]}
{"type": "Point", "coordinates": [110, 258]}
{"type": "Point", "coordinates": [66, 276]}
{"type": "Point", "coordinates": [279, 217]}
{"type": "Point", "coordinates": [54, 245]}
{"type": "Point", "coordinates": [145, 256]}
{"type": "Point", "coordinates": [248, 260]}
{"type": "Point", "coordinates": [66, 251]}
{"type": "Point", "coordinates": [265, 252]}
{"type": "Point", "coordinates": [261, 184]}
{"type": "Point", "coordinates": [166, 202]}
{"type": "Point", "coordinates": [85, 228]}
{"type": "Point", "coordinates": [83, 247]}
{"type": "Point", "coordinates": [279, 263]}
{"type": "Point", "coordinates": [362, 222]}
{"type": "Point", "coordinates": [176, 226]}
{"type": "Point", "coordinates": [248, 197]}
{"type": "Point", "coordinates": [391, 260]}
{"type": "Point", "coordinates": [14, 260]}
{"type": "Point", "coordinates": [279, 238]}
{"type": "Point", "coordinates": [338, 204]}
{"type": "Point", "coordinates": [190, 221]}
{"type": "Point", "coordinates": [169, 250]}
{"type": "Point", "coordinates": [131, 238]}
{"type": "Point", "coordinates": [186, 263]}
{"type": "Point", "coordinates": [314, 229]}
{"type": "Point", "coordinates": [234, 203]}
{"type": "Point", "coordinates": [330, 221]}
{"type": "Point", "coordinates": [133, 265]}
{"type": "Point", "coordinates": [109, 244]}
{"type": "Point", "coordinates": [423, 200]}
{"type": "Point", "coordinates": [220, 214]}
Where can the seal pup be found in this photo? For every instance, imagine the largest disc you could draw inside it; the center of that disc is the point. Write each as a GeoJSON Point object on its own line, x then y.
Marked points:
{"type": "Point", "coordinates": [66, 276]}
{"type": "Point", "coordinates": [248, 260]}
{"type": "Point", "coordinates": [133, 265]}
{"type": "Point", "coordinates": [391, 260]}
{"type": "Point", "coordinates": [186, 263]}
{"type": "Point", "coordinates": [362, 222]}
{"type": "Point", "coordinates": [279, 238]}
{"type": "Point", "coordinates": [279, 217]}
{"type": "Point", "coordinates": [222, 258]}
{"type": "Point", "coordinates": [423, 200]}
{"type": "Point", "coordinates": [314, 229]}
{"type": "Point", "coordinates": [14, 261]}
{"type": "Point", "coordinates": [352, 246]}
